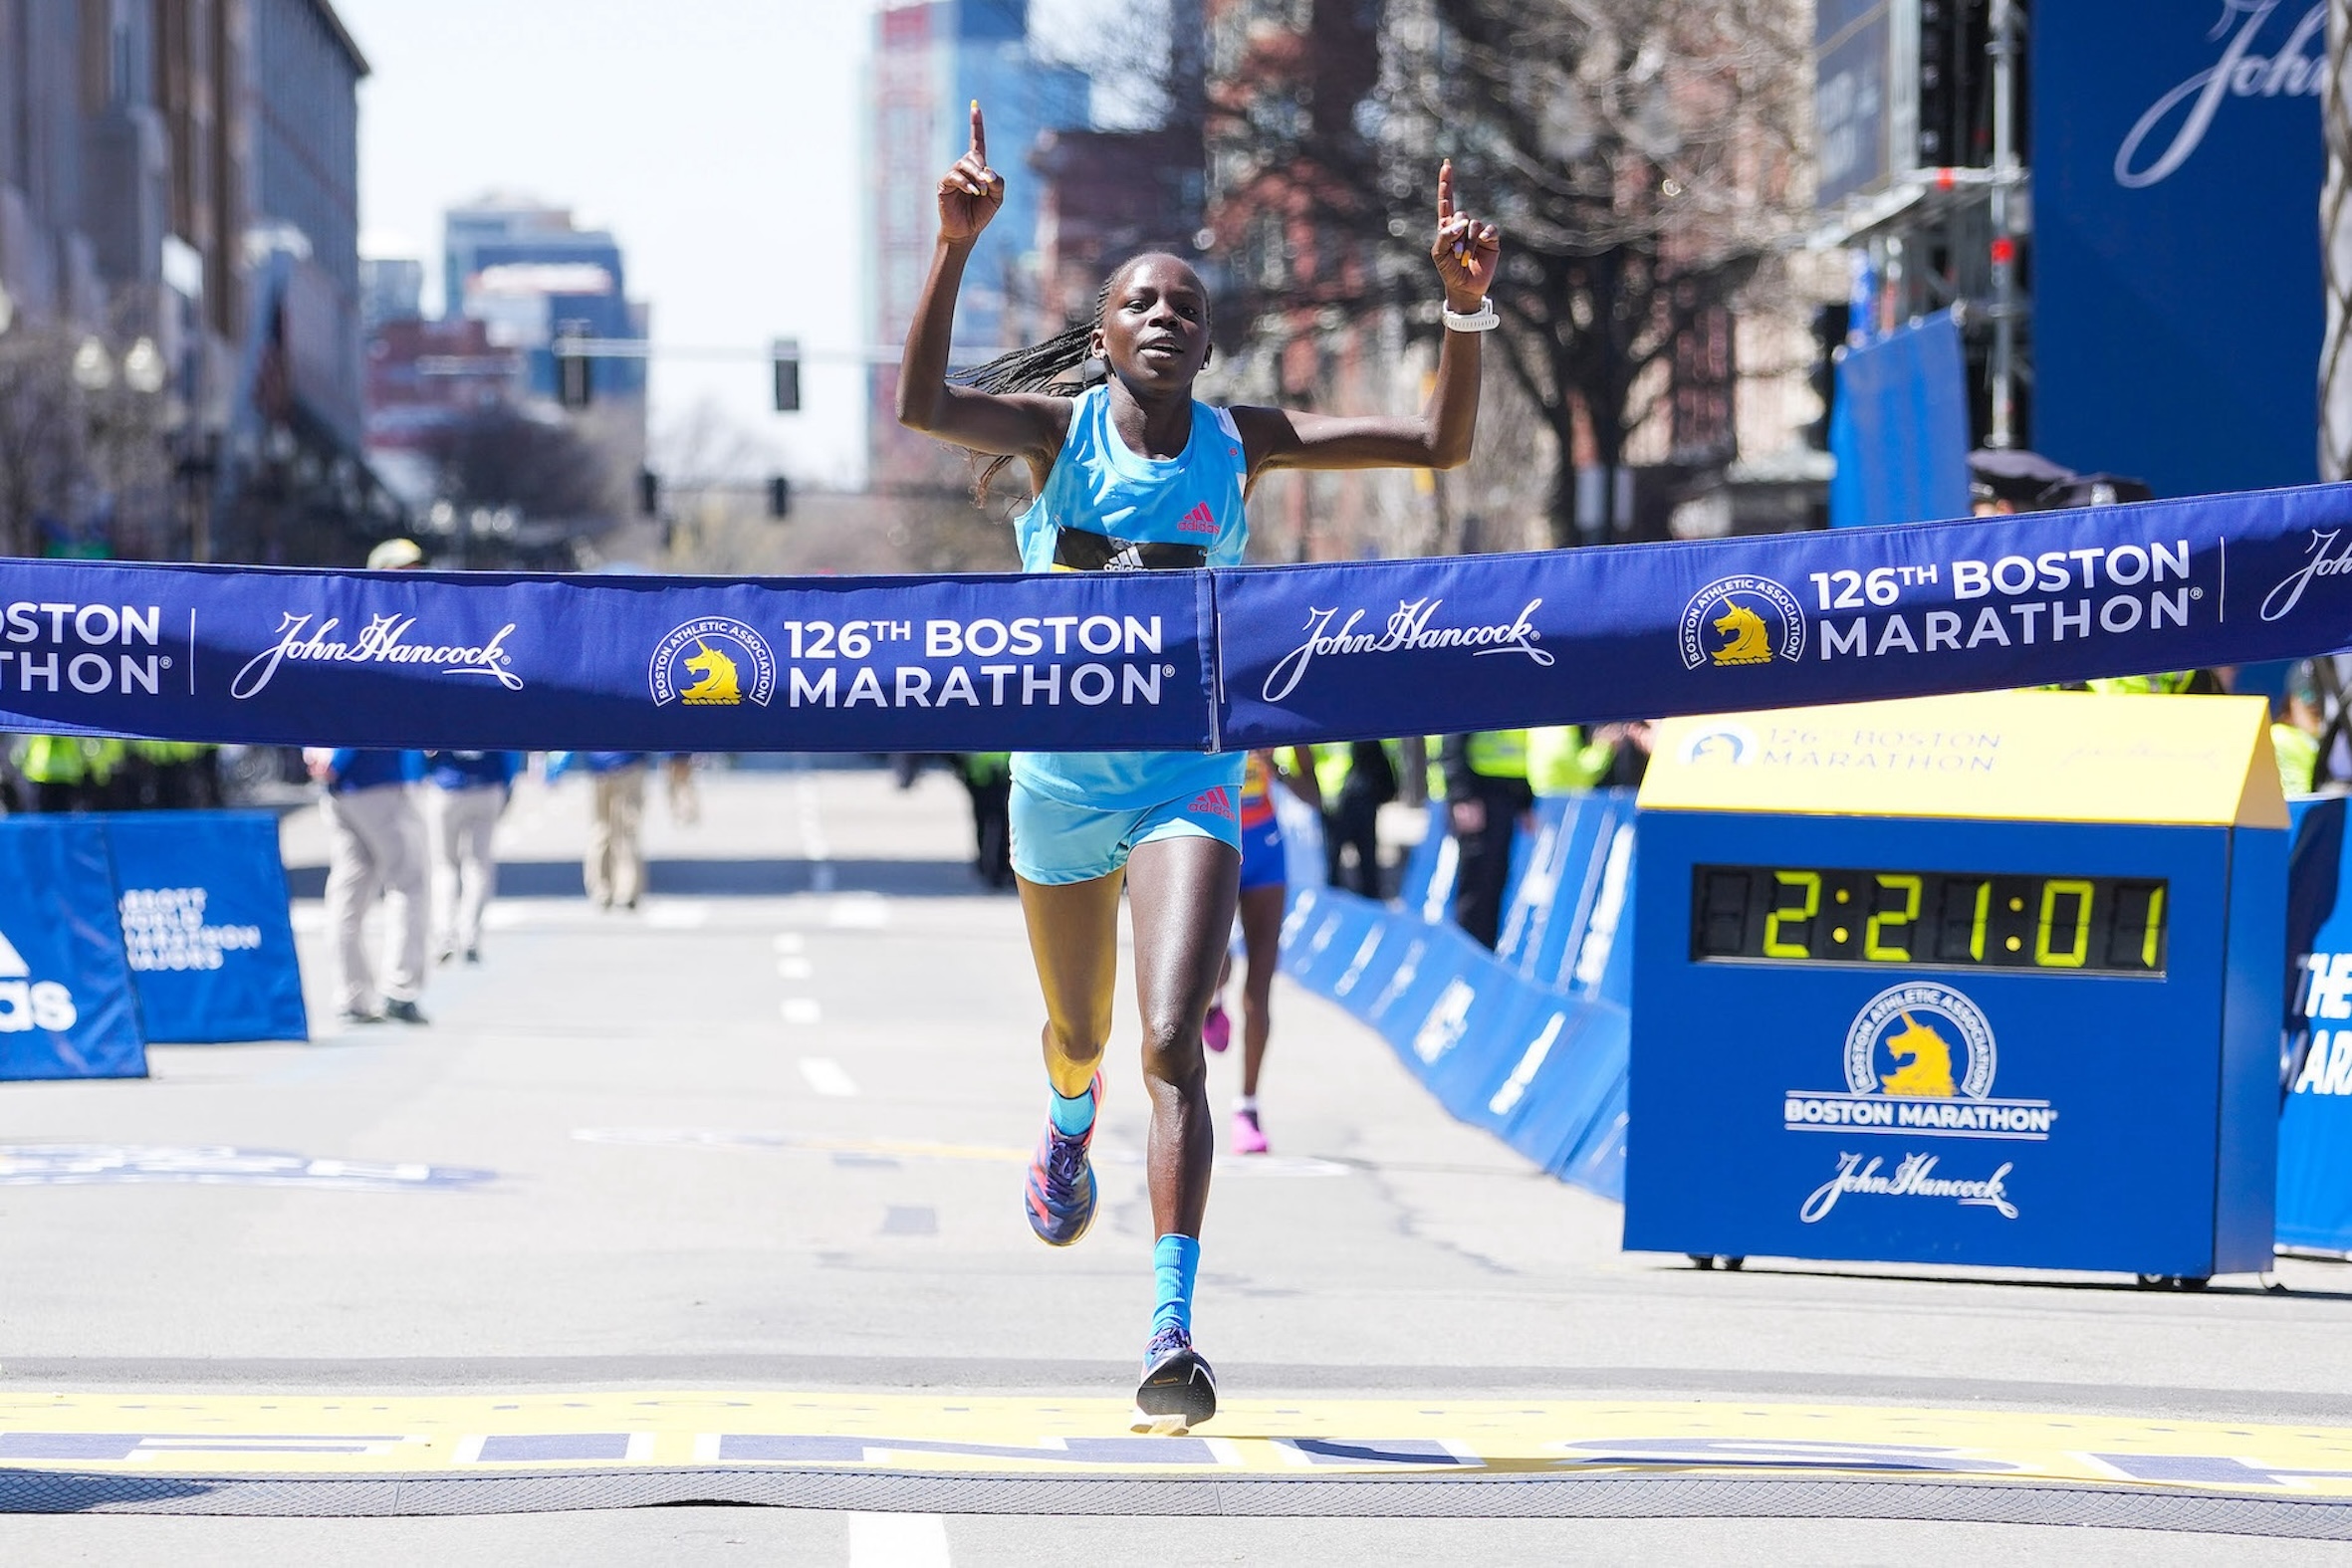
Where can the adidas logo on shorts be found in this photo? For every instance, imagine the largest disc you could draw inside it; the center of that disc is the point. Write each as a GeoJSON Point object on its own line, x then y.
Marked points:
{"type": "Point", "coordinates": [1212, 802]}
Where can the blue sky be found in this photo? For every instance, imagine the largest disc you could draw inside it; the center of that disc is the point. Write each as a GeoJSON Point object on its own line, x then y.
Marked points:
{"type": "Point", "coordinates": [720, 139]}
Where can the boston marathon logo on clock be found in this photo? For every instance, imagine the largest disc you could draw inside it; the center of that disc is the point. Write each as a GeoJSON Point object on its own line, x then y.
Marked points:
{"type": "Point", "coordinates": [1919, 1062]}
{"type": "Point", "coordinates": [1741, 620]}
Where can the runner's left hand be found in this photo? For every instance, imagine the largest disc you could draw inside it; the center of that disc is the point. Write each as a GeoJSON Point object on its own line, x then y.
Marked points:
{"type": "Point", "coordinates": [1464, 249]}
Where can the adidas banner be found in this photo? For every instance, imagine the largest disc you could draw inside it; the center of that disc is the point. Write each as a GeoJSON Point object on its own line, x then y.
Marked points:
{"type": "Point", "coordinates": [66, 1007]}
{"type": "Point", "coordinates": [1172, 660]}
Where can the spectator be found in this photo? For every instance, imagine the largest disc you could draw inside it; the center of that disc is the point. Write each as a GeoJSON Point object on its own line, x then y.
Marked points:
{"type": "Point", "coordinates": [375, 848]}
{"type": "Point", "coordinates": [616, 866]}
{"type": "Point", "coordinates": [988, 777]}
{"type": "Point", "coordinates": [1487, 797]}
{"type": "Point", "coordinates": [1352, 783]}
{"type": "Point", "coordinates": [470, 792]}
{"type": "Point", "coordinates": [685, 799]}
{"type": "Point", "coordinates": [65, 773]}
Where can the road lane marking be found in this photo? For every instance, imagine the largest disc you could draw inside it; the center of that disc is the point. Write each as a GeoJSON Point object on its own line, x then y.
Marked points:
{"type": "Point", "coordinates": [858, 912]}
{"type": "Point", "coordinates": [801, 1010]}
{"type": "Point", "coordinates": [929, 1149]}
{"type": "Point", "coordinates": [791, 942]}
{"type": "Point", "coordinates": [897, 1540]}
{"type": "Point", "coordinates": [664, 915]}
{"type": "Point", "coordinates": [794, 968]}
{"type": "Point", "coordinates": [827, 1076]}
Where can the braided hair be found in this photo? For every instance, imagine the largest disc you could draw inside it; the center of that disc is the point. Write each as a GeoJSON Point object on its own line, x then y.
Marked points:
{"type": "Point", "coordinates": [1064, 365]}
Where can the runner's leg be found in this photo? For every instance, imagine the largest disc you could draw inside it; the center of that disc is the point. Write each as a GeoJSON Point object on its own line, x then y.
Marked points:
{"type": "Point", "coordinates": [1262, 942]}
{"type": "Point", "coordinates": [1182, 891]}
{"type": "Point", "coordinates": [1073, 938]}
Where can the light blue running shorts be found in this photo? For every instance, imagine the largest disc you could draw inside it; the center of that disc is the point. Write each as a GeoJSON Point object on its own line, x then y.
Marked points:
{"type": "Point", "coordinates": [1055, 843]}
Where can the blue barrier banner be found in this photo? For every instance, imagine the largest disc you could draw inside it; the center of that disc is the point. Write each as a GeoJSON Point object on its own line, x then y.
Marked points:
{"type": "Point", "coordinates": [2315, 1122]}
{"type": "Point", "coordinates": [1378, 648]}
{"type": "Point", "coordinates": [1900, 427]}
{"type": "Point", "coordinates": [66, 1007]}
{"type": "Point", "coordinates": [206, 926]}
{"type": "Point", "coordinates": [2178, 161]}
{"type": "Point", "coordinates": [497, 661]}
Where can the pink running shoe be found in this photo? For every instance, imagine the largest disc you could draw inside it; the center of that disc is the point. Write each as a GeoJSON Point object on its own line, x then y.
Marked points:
{"type": "Point", "coordinates": [1247, 1137]}
{"type": "Point", "coordinates": [1217, 1029]}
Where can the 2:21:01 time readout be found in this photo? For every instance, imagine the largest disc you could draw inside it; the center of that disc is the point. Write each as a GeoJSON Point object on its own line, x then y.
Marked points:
{"type": "Point", "coordinates": [1929, 919]}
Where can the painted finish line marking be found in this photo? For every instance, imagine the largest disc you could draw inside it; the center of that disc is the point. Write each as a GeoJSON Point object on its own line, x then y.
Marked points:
{"type": "Point", "coordinates": [75, 1165]}
{"type": "Point", "coordinates": [922, 1149]}
{"type": "Point", "coordinates": [320, 1436]}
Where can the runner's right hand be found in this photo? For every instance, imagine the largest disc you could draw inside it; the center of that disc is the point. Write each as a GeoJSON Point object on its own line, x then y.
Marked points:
{"type": "Point", "coordinates": [971, 192]}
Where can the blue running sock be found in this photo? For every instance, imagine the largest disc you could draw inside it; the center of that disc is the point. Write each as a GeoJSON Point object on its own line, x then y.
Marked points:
{"type": "Point", "coordinates": [1174, 1262]}
{"type": "Point", "coordinates": [1071, 1117]}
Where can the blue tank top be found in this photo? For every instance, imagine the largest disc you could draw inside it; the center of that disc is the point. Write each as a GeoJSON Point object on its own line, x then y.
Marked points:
{"type": "Point", "coordinates": [1105, 506]}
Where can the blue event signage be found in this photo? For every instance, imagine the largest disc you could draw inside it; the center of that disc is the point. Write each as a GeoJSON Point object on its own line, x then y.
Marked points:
{"type": "Point", "coordinates": [1407, 647]}
{"type": "Point", "coordinates": [2315, 1123]}
{"type": "Point", "coordinates": [2177, 170]}
{"type": "Point", "coordinates": [206, 926]}
{"type": "Point", "coordinates": [494, 660]}
{"type": "Point", "coordinates": [66, 1007]}
{"type": "Point", "coordinates": [1986, 980]}
{"type": "Point", "coordinates": [1172, 660]}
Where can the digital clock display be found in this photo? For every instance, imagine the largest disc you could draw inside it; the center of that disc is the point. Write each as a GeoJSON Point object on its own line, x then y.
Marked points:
{"type": "Point", "coordinates": [2085, 924]}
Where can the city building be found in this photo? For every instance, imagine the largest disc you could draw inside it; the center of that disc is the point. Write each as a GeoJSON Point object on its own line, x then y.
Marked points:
{"type": "Point", "coordinates": [530, 275]}
{"type": "Point", "coordinates": [931, 60]}
{"type": "Point", "coordinates": [391, 289]}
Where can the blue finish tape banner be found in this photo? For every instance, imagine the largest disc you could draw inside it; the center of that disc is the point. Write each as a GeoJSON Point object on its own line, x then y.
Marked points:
{"type": "Point", "coordinates": [1383, 649]}
{"type": "Point", "coordinates": [1123, 661]}
{"type": "Point", "coordinates": [206, 926]}
{"type": "Point", "coordinates": [66, 1007]}
{"type": "Point", "coordinates": [490, 660]}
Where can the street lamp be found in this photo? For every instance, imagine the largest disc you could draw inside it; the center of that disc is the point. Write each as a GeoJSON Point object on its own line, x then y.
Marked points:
{"type": "Point", "coordinates": [94, 367]}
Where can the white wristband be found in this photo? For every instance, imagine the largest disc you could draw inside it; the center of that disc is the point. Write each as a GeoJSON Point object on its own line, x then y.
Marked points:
{"type": "Point", "coordinates": [1482, 319]}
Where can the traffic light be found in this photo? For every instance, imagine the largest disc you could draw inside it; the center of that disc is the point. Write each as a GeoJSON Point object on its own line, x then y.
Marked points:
{"type": "Point", "coordinates": [780, 497]}
{"type": "Point", "coordinates": [576, 385]}
{"type": "Point", "coordinates": [1830, 322]}
{"type": "Point", "coordinates": [1955, 109]}
{"type": "Point", "coordinates": [648, 493]}
{"type": "Point", "coordinates": [786, 354]}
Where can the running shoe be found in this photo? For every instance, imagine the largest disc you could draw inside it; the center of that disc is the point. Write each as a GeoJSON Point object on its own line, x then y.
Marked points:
{"type": "Point", "coordinates": [1060, 1195]}
{"type": "Point", "coordinates": [1179, 1391]}
{"type": "Point", "coordinates": [1248, 1136]}
{"type": "Point", "coordinates": [1217, 1029]}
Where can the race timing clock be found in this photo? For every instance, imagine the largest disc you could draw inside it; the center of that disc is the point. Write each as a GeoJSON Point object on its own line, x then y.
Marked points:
{"type": "Point", "coordinates": [1989, 979]}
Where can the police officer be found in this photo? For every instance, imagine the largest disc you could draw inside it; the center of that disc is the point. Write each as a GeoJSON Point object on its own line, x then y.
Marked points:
{"type": "Point", "coordinates": [1353, 781]}
{"type": "Point", "coordinates": [988, 779]}
{"type": "Point", "coordinates": [1486, 793]}
{"type": "Point", "coordinates": [67, 773]}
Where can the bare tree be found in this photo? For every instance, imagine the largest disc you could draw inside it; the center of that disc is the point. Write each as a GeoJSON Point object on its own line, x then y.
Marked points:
{"type": "Point", "coordinates": [504, 457]}
{"type": "Point", "coordinates": [1643, 158]}
{"type": "Point", "coordinates": [42, 432]}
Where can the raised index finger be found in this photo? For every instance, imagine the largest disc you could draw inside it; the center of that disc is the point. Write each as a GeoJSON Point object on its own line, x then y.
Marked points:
{"type": "Point", "coordinates": [979, 134]}
{"type": "Point", "coordinates": [1445, 192]}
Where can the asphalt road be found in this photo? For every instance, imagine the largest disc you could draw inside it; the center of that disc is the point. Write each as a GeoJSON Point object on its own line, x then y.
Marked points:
{"type": "Point", "coordinates": [764, 1134]}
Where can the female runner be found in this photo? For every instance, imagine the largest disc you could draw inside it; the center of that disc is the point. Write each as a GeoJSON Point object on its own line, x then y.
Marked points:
{"type": "Point", "coordinates": [1131, 467]}
{"type": "Point", "coordinates": [1264, 894]}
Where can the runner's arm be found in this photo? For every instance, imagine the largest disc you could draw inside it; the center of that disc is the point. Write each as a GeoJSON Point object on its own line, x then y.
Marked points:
{"type": "Point", "coordinates": [1016, 425]}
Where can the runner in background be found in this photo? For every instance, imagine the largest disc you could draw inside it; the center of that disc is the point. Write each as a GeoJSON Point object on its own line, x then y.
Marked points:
{"type": "Point", "coordinates": [1264, 896]}
{"type": "Point", "coordinates": [1129, 470]}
